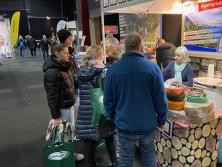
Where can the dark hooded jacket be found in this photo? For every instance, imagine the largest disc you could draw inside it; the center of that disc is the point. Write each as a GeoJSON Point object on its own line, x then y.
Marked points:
{"type": "Point", "coordinates": [84, 130]}
{"type": "Point", "coordinates": [59, 86]}
{"type": "Point", "coordinates": [165, 54]}
{"type": "Point", "coordinates": [74, 67]}
{"type": "Point", "coordinates": [32, 44]}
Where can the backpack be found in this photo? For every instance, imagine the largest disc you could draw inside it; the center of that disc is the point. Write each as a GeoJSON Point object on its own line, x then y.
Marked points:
{"type": "Point", "coordinates": [21, 44]}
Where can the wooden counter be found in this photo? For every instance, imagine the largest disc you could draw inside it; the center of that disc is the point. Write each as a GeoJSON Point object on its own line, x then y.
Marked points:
{"type": "Point", "coordinates": [208, 55]}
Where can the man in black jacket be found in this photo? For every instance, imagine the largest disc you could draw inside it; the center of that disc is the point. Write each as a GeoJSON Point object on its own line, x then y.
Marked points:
{"type": "Point", "coordinates": [164, 53]}
{"type": "Point", "coordinates": [44, 44]}
{"type": "Point", "coordinates": [32, 44]}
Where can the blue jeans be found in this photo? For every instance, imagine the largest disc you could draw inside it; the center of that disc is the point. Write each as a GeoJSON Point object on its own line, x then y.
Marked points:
{"type": "Point", "coordinates": [127, 149]}
{"type": "Point", "coordinates": [117, 143]}
{"type": "Point", "coordinates": [68, 115]}
{"type": "Point", "coordinates": [22, 50]}
{"type": "Point", "coordinates": [44, 55]}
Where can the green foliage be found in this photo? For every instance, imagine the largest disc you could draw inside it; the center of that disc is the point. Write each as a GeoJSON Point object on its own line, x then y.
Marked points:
{"type": "Point", "coordinates": [208, 45]}
{"type": "Point", "coordinates": [150, 37]}
{"type": "Point", "coordinates": [130, 27]}
{"type": "Point", "coordinates": [189, 26]}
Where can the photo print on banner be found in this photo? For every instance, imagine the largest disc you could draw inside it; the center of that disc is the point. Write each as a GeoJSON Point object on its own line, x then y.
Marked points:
{"type": "Point", "coordinates": [202, 26]}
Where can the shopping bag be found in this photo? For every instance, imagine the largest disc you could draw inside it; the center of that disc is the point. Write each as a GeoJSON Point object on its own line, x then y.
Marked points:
{"type": "Point", "coordinates": [59, 154]}
{"type": "Point", "coordinates": [101, 144]}
{"type": "Point", "coordinates": [96, 100]}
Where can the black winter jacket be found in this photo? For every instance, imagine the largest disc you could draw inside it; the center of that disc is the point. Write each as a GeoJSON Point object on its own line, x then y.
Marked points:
{"type": "Point", "coordinates": [165, 54]}
{"type": "Point", "coordinates": [59, 86]}
{"type": "Point", "coordinates": [32, 44]}
{"type": "Point", "coordinates": [84, 130]}
{"type": "Point", "coordinates": [44, 45]}
{"type": "Point", "coordinates": [74, 67]}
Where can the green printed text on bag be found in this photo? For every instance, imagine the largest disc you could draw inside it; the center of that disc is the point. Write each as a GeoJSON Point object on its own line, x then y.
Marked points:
{"type": "Point", "coordinates": [96, 100]}
{"type": "Point", "coordinates": [101, 144]}
{"type": "Point", "coordinates": [59, 154]}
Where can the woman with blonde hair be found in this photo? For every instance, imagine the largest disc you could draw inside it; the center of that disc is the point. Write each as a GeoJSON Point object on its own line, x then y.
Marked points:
{"type": "Point", "coordinates": [87, 76]}
{"type": "Point", "coordinates": [180, 69]}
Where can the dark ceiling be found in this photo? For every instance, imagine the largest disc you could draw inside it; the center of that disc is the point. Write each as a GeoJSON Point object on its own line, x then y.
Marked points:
{"type": "Point", "coordinates": [42, 8]}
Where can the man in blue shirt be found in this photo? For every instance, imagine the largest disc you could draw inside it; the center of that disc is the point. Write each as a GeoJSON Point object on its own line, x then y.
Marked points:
{"type": "Point", "coordinates": [135, 99]}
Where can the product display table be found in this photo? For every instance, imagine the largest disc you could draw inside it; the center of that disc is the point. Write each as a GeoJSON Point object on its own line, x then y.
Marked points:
{"type": "Point", "coordinates": [216, 82]}
{"type": "Point", "coordinates": [191, 145]}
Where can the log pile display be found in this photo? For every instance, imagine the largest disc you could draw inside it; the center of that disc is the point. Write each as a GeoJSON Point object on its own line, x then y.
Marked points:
{"type": "Point", "coordinates": [192, 146]}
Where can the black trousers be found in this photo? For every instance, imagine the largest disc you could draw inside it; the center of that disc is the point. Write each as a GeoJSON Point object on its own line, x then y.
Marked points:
{"type": "Point", "coordinates": [89, 150]}
{"type": "Point", "coordinates": [33, 51]}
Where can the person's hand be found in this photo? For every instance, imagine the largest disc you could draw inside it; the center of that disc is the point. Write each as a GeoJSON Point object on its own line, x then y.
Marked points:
{"type": "Point", "coordinates": [160, 127]}
{"type": "Point", "coordinates": [57, 121]}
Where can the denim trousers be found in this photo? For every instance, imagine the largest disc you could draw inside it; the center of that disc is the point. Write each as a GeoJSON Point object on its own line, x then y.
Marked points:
{"type": "Point", "coordinates": [22, 51]}
{"type": "Point", "coordinates": [117, 143]}
{"type": "Point", "coordinates": [68, 115]}
{"type": "Point", "coordinates": [127, 149]}
{"type": "Point", "coordinates": [45, 52]}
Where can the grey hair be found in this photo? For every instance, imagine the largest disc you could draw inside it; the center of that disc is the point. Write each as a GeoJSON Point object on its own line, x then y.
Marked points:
{"type": "Point", "coordinates": [182, 51]}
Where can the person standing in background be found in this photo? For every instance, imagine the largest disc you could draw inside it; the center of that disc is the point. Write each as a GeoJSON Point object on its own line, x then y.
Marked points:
{"type": "Point", "coordinates": [44, 44]}
{"type": "Point", "coordinates": [165, 53]}
{"type": "Point", "coordinates": [111, 44]}
{"type": "Point", "coordinates": [135, 99]}
{"type": "Point", "coordinates": [32, 44]}
{"type": "Point", "coordinates": [114, 57]}
{"type": "Point", "coordinates": [65, 37]}
{"type": "Point", "coordinates": [21, 45]}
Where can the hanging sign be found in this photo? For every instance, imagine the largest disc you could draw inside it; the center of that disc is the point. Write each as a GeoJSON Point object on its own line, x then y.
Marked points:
{"type": "Point", "coordinates": [111, 29]}
{"type": "Point", "coordinates": [209, 5]}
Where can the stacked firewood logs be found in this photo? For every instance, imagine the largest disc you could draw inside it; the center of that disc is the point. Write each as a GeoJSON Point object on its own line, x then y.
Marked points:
{"type": "Point", "coordinates": [192, 146]}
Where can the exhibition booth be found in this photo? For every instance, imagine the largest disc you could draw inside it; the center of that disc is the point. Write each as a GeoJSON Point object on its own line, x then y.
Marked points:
{"type": "Point", "coordinates": [194, 125]}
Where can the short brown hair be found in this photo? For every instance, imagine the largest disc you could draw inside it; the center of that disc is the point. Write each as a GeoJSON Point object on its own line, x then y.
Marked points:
{"type": "Point", "coordinates": [133, 42]}
{"type": "Point", "coordinates": [114, 56]}
{"type": "Point", "coordinates": [160, 41]}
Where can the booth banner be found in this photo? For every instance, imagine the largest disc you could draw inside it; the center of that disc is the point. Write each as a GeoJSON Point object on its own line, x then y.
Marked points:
{"type": "Point", "coordinates": [202, 27]}
{"type": "Point", "coordinates": [15, 27]}
{"type": "Point", "coordinates": [209, 5]}
{"type": "Point", "coordinates": [111, 29]}
{"type": "Point", "coordinates": [61, 25]}
{"type": "Point", "coordinates": [147, 25]}
{"type": "Point", "coordinates": [108, 3]}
